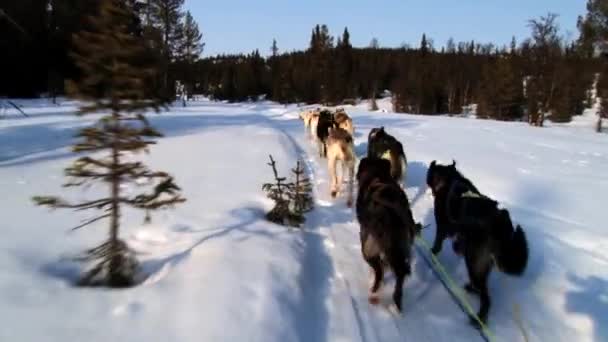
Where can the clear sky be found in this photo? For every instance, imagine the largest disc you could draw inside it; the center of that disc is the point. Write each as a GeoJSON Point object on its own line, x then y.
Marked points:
{"type": "Point", "coordinates": [231, 26]}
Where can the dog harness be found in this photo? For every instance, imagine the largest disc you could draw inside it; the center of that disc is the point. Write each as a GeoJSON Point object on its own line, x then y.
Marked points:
{"type": "Point", "coordinates": [462, 218]}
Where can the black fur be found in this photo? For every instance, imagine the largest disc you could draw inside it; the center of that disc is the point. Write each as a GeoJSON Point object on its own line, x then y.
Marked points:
{"type": "Point", "coordinates": [378, 142]}
{"type": "Point", "coordinates": [481, 232]}
{"type": "Point", "coordinates": [326, 121]}
{"type": "Point", "coordinates": [387, 226]}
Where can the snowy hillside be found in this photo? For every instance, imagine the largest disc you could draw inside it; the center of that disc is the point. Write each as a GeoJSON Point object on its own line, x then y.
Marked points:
{"type": "Point", "coordinates": [218, 271]}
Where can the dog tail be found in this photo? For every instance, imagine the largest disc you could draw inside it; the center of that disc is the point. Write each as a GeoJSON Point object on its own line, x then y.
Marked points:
{"type": "Point", "coordinates": [512, 258]}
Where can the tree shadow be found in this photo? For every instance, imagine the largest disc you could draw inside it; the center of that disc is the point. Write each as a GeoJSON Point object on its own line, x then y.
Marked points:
{"type": "Point", "coordinates": [416, 177]}
{"type": "Point", "coordinates": [69, 270]}
{"type": "Point", "coordinates": [29, 144]}
{"type": "Point", "coordinates": [591, 299]}
{"type": "Point", "coordinates": [311, 312]}
{"type": "Point", "coordinates": [247, 217]}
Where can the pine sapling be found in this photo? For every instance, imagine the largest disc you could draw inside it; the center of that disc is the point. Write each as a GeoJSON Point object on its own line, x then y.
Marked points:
{"type": "Point", "coordinates": [112, 82]}
{"type": "Point", "coordinates": [278, 192]}
{"type": "Point", "coordinates": [300, 194]}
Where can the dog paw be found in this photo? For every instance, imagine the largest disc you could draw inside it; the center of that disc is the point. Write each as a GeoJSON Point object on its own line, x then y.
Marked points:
{"type": "Point", "coordinates": [470, 288]}
{"type": "Point", "coordinates": [373, 299]}
{"type": "Point", "coordinates": [475, 323]}
{"type": "Point", "coordinates": [395, 310]}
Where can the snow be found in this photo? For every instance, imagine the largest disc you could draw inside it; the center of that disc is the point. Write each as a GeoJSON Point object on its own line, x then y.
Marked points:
{"type": "Point", "coordinates": [219, 271]}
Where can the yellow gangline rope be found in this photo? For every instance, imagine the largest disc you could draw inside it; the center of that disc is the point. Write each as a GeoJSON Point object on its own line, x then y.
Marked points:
{"type": "Point", "coordinates": [457, 291]}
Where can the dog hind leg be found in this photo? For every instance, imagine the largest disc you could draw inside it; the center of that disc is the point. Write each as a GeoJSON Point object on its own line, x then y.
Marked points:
{"type": "Point", "coordinates": [332, 160]}
{"type": "Point", "coordinates": [479, 265]}
{"type": "Point", "coordinates": [351, 178]}
{"type": "Point", "coordinates": [376, 264]}
{"type": "Point", "coordinates": [401, 269]}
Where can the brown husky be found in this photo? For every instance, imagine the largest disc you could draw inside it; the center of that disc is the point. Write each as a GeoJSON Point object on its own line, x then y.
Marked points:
{"type": "Point", "coordinates": [344, 121]}
{"type": "Point", "coordinates": [340, 147]}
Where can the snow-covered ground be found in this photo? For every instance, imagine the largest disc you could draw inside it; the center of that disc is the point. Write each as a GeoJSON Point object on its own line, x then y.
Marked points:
{"type": "Point", "coordinates": [220, 272]}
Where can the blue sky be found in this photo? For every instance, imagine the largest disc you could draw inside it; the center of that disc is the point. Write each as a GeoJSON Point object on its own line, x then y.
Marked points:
{"type": "Point", "coordinates": [232, 26]}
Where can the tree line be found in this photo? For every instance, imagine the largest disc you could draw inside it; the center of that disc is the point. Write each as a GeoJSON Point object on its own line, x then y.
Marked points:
{"type": "Point", "coordinates": [543, 75]}
{"type": "Point", "coordinates": [37, 43]}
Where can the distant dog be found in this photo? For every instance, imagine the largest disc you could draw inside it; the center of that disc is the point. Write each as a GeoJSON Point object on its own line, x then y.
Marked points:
{"type": "Point", "coordinates": [340, 147]}
{"type": "Point", "coordinates": [383, 145]}
{"type": "Point", "coordinates": [325, 124]}
{"type": "Point", "coordinates": [481, 231]}
{"type": "Point", "coordinates": [387, 226]}
{"type": "Point", "coordinates": [344, 121]}
{"type": "Point", "coordinates": [311, 119]}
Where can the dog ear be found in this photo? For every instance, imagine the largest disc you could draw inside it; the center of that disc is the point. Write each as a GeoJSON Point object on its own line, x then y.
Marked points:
{"type": "Point", "coordinates": [453, 163]}
{"type": "Point", "coordinates": [430, 172]}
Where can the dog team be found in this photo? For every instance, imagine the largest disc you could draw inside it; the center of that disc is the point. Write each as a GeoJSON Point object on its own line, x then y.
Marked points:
{"type": "Point", "coordinates": [480, 231]}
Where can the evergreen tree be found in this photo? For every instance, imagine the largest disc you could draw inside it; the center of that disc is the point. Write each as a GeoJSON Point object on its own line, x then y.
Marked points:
{"type": "Point", "coordinates": [501, 93]}
{"type": "Point", "coordinates": [274, 49]}
{"type": "Point", "coordinates": [112, 82]}
{"type": "Point", "coordinates": [374, 43]}
{"type": "Point", "coordinates": [593, 27]}
{"type": "Point", "coordinates": [594, 37]}
{"type": "Point", "coordinates": [424, 45]}
{"type": "Point", "coordinates": [292, 199]}
{"type": "Point", "coordinates": [545, 58]}
{"type": "Point", "coordinates": [167, 18]}
{"type": "Point", "coordinates": [188, 51]}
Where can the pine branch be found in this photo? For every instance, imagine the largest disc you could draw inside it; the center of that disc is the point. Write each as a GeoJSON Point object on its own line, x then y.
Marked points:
{"type": "Point", "coordinates": [88, 222]}
{"type": "Point", "coordinates": [58, 203]}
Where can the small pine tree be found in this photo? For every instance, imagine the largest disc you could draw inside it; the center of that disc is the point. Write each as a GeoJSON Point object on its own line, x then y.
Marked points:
{"type": "Point", "coordinates": [113, 82]}
{"type": "Point", "coordinates": [292, 199]}
{"type": "Point", "coordinates": [301, 193]}
{"type": "Point", "coordinates": [278, 192]}
{"type": "Point", "coordinates": [189, 48]}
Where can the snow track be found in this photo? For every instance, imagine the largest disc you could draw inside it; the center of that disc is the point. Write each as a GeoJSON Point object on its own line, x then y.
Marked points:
{"type": "Point", "coordinates": [220, 272]}
{"type": "Point", "coordinates": [427, 305]}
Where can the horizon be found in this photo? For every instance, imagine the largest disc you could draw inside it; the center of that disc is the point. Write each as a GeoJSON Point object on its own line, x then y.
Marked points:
{"type": "Point", "coordinates": [393, 23]}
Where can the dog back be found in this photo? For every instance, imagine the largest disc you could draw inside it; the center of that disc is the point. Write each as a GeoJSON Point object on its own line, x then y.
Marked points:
{"type": "Point", "coordinates": [326, 123]}
{"type": "Point", "coordinates": [340, 143]}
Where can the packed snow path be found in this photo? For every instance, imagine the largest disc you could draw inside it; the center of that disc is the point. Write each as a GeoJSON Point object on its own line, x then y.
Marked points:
{"type": "Point", "coordinates": [219, 271]}
{"type": "Point", "coordinates": [427, 305]}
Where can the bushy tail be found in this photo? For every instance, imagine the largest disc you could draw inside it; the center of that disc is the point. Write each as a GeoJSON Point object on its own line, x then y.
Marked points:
{"type": "Point", "coordinates": [512, 258]}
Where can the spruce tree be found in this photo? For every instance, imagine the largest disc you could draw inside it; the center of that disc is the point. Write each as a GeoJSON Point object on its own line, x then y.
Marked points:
{"type": "Point", "coordinates": [274, 49]}
{"type": "Point", "coordinates": [112, 83]}
{"type": "Point", "coordinates": [501, 93]}
{"type": "Point", "coordinates": [189, 49]}
{"type": "Point", "coordinates": [546, 55]}
{"type": "Point", "coordinates": [167, 18]}
{"type": "Point", "coordinates": [593, 27]}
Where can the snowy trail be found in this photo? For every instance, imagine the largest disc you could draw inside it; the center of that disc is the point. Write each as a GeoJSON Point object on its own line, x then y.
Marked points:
{"type": "Point", "coordinates": [217, 264]}
{"type": "Point", "coordinates": [427, 305]}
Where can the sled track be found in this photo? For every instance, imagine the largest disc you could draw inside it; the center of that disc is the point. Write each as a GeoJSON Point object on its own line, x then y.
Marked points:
{"type": "Point", "coordinates": [337, 226]}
